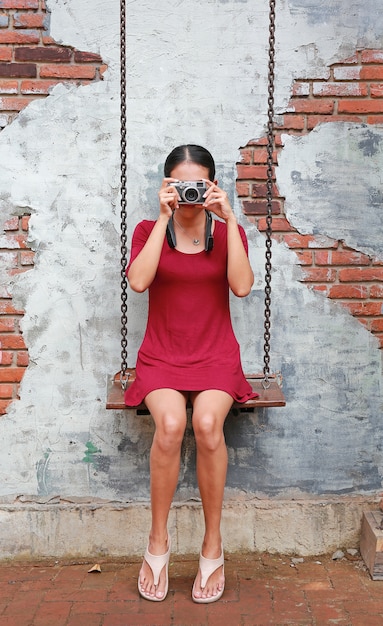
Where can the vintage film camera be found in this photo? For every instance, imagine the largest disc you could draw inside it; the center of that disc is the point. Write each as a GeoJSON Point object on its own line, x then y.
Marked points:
{"type": "Point", "coordinates": [190, 191]}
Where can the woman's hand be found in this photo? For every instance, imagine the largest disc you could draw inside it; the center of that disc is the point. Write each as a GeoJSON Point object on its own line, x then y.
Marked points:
{"type": "Point", "coordinates": [216, 200]}
{"type": "Point", "coordinates": [168, 197]}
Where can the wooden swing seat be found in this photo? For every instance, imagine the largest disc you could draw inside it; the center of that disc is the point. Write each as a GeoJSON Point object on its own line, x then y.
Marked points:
{"type": "Point", "coordinates": [270, 397]}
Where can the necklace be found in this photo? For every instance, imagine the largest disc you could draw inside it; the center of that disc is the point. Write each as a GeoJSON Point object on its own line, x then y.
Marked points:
{"type": "Point", "coordinates": [195, 241]}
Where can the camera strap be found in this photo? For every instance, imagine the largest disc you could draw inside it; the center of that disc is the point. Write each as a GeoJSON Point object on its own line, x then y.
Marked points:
{"type": "Point", "coordinates": [209, 240]}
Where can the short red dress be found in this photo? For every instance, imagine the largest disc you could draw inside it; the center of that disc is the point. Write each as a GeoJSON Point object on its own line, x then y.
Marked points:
{"type": "Point", "coordinates": [189, 343]}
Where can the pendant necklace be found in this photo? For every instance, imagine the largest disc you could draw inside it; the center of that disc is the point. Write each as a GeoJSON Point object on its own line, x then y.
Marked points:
{"type": "Point", "coordinates": [195, 241]}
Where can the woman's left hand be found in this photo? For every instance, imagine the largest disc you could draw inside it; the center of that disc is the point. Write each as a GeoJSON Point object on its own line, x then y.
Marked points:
{"type": "Point", "coordinates": [216, 200]}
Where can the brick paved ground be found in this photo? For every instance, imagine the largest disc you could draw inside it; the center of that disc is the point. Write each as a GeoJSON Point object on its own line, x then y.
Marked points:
{"type": "Point", "coordinates": [260, 590]}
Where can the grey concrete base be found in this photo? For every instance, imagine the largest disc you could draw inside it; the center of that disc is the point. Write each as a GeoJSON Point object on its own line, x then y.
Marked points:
{"type": "Point", "coordinates": [31, 528]}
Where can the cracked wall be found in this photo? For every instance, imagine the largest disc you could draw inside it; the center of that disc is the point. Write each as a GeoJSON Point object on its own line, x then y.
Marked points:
{"type": "Point", "coordinates": [201, 81]}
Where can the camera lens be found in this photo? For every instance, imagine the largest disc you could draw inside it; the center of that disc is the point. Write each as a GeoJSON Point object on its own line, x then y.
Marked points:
{"type": "Point", "coordinates": [191, 194]}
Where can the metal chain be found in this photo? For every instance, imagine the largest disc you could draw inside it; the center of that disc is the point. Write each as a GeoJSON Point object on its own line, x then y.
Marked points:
{"type": "Point", "coordinates": [269, 195]}
{"type": "Point", "coordinates": [124, 282]}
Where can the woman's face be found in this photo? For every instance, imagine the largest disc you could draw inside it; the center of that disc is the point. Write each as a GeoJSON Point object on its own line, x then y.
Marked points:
{"type": "Point", "coordinates": [189, 171]}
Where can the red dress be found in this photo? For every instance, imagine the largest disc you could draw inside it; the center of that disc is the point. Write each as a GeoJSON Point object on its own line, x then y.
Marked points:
{"type": "Point", "coordinates": [189, 343]}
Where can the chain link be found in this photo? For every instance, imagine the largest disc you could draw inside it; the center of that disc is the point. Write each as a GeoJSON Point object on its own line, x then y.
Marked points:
{"type": "Point", "coordinates": [124, 282]}
{"type": "Point", "coordinates": [269, 195]}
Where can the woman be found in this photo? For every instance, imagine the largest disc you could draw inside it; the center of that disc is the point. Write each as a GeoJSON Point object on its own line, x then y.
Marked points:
{"type": "Point", "coordinates": [189, 353]}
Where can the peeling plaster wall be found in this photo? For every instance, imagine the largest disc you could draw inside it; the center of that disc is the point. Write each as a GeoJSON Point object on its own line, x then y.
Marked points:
{"type": "Point", "coordinates": [197, 72]}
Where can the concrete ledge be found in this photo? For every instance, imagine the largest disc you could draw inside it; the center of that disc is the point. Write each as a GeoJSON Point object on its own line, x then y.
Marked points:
{"type": "Point", "coordinates": [33, 528]}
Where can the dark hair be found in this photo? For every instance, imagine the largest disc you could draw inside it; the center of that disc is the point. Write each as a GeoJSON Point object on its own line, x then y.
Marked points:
{"type": "Point", "coordinates": [193, 153]}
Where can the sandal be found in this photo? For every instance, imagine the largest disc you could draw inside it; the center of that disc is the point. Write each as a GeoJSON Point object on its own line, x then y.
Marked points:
{"type": "Point", "coordinates": [207, 567]}
{"type": "Point", "coordinates": [156, 564]}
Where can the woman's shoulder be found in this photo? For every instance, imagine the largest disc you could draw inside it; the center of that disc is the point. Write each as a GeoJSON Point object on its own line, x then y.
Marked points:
{"type": "Point", "coordinates": [144, 227]}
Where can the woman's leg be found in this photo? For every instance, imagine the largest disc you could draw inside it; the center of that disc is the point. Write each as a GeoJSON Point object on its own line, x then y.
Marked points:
{"type": "Point", "coordinates": [210, 409]}
{"type": "Point", "coordinates": [168, 409]}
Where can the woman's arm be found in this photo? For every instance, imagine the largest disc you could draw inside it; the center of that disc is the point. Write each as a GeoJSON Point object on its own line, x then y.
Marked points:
{"type": "Point", "coordinates": [144, 267]}
{"type": "Point", "coordinates": [239, 273]}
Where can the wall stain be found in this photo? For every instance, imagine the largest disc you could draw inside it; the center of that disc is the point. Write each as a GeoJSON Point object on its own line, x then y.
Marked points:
{"type": "Point", "coordinates": [90, 452]}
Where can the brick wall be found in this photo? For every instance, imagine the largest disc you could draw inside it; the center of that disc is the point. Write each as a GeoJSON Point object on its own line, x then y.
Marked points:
{"type": "Point", "coordinates": [31, 63]}
{"type": "Point", "coordinates": [352, 92]}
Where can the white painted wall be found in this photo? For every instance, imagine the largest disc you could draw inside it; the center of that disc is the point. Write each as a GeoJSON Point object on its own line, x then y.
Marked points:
{"type": "Point", "coordinates": [197, 73]}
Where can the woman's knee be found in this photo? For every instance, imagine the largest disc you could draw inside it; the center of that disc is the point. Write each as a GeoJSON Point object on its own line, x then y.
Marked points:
{"type": "Point", "coordinates": [170, 430]}
{"type": "Point", "coordinates": [208, 431]}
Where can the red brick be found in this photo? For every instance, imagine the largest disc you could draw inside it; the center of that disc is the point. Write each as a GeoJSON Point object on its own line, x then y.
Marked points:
{"type": "Point", "coordinates": [314, 120]}
{"type": "Point", "coordinates": [38, 87]}
{"type": "Point", "coordinates": [22, 359]}
{"type": "Point", "coordinates": [11, 374]}
{"type": "Point", "coordinates": [13, 37]}
{"type": "Point", "coordinates": [14, 104]}
{"type": "Point", "coordinates": [82, 72]}
{"type": "Point", "coordinates": [373, 120]}
{"type": "Point", "coordinates": [380, 338]}
{"type": "Point", "coordinates": [12, 224]}
{"type": "Point", "coordinates": [27, 257]}
{"type": "Point", "coordinates": [7, 324]}
{"type": "Point", "coordinates": [280, 224]}
{"type": "Point", "coordinates": [243, 189]}
{"type": "Point", "coordinates": [290, 122]}
{"type": "Point", "coordinates": [17, 240]}
{"type": "Point", "coordinates": [341, 257]}
{"type": "Point", "coordinates": [362, 274]}
{"type": "Point", "coordinates": [259, 207]}
{"type": "Point", "coordinates": [360, 106]}
{"type": "Point", "coordinates": [5, 53]}
{"type": "Point", "coordinates": [312, 106]}
{"type": "Point", "coordinates": [18, 70]}
{"type": "Point", "coordinates": [246, 156]}
{"type": "Point", "coordinates": [249, 172]}
{"type": "Point", "coordinates": [19, 4]}
{"type": "Point", "coordinates": [372, 72]}
{"type": "Point", "coordinates": [4, 404]}
{"type": "Point", "coordinates": [365, 308]}
{"type": "Point", "coordinates": [6, 358]}
{"type": "Point", "coordinates": [377, 325]}
{"type": "Point", "coordinates": [29, 20]}
{"type": "Point", "coordinates": [10, 87]}
{"type": "Point", "coordinates": [305, 257]}
{"type": "Point", "coordinates": [86, 57]}
{"type": "Point", "coordinates": [319, 274]}
{"type": "Point", "coordinates": [340, 89]}
{"type": "Point", "coordinates": [6, 391]}
{"type": "Point", "coordinates": [372, 56]}
{"type": "Point", "coordinates": [12, 342]}
{"type": "Point", "coordinates": [25, 222]}
{"type": "Point", "coordinates": [376, 91]}
{"type": "Point", "coordinates": [348, 291]}
{"type": "Point", "coordinates": [376, 291]}
{"type": "Point", "coordinates": [259, 190]}
{"type": "Point", "coordinates": [41, 54]}
{"type": "Point", "coordinates": [7, 308]}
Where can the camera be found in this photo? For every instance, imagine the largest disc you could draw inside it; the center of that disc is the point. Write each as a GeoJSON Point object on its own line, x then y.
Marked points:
{"type": "Point", "coordinates": [190, 191]}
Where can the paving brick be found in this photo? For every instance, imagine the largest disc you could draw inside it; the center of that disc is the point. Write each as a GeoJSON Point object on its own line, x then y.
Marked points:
{"type": "Point", "coordinates": [261, 590]}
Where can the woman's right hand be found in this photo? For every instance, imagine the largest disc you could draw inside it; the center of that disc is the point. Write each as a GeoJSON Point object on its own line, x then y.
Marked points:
{"type": "Point", "coordinates": [168, 197]}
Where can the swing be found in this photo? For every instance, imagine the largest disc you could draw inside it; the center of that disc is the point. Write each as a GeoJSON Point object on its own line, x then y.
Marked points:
{"type": "Point", "coordinates": [267, 385]}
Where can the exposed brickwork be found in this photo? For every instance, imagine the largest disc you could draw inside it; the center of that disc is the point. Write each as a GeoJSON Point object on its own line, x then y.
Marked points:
{"type": "Point", "coordinates": [31, 63]}
{"type": "Point", "coordinates": [16, 256]}
{"type": "Point", "coordinates": [353, 92]}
